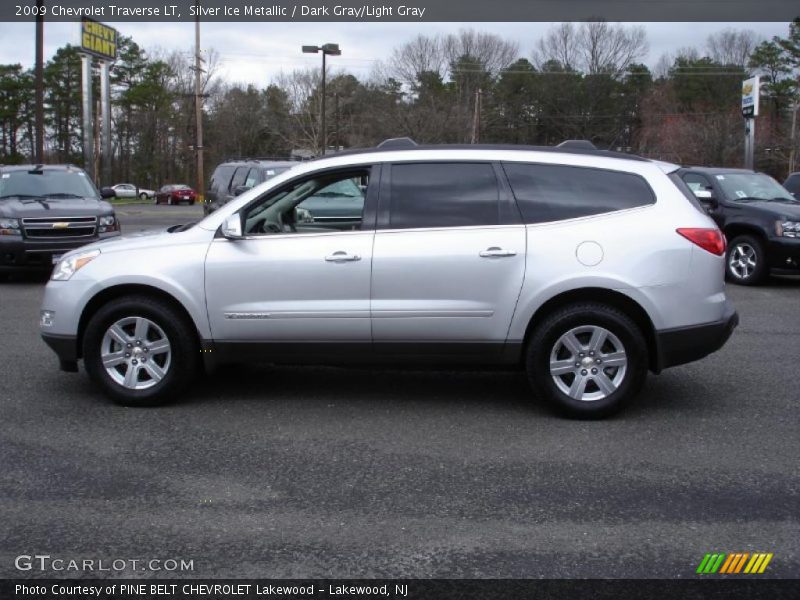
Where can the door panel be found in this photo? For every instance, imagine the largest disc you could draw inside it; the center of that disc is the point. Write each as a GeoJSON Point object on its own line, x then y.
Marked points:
{"type": "Point", "coordinates": [449, 284]}
{"type": "Point", "coordinates": [290, 287]}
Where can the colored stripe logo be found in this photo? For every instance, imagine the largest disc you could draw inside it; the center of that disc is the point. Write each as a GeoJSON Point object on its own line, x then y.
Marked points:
{"type": "Point", "coordinates": [734, 563]}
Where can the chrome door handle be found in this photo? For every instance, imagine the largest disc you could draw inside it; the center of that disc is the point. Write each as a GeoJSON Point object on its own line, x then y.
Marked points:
{"type": "Point", "coordinates": [495, 252]}
{"type": "Point", "coordinates": [341, 256]}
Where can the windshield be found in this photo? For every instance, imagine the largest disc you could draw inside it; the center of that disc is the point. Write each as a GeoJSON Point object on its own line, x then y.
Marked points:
{"type": "Point", "coordinates": [744, 187]}
{"type": "Point", "coordinates": [47, 183]}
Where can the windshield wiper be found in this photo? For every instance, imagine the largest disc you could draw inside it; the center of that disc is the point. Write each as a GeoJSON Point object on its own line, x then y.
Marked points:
{"type": "Point", "coordinates": [18, 196]}
{"type": "Point", "coordinates": [62, 195]}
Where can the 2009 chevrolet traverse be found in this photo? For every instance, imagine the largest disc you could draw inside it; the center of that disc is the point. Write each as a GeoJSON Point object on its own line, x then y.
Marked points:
{"type": "Point", "coordinates": [583, 267]}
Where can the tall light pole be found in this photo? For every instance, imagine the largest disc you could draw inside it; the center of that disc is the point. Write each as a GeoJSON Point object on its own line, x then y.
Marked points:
{"type": "Point", "coordinates": [38, 145]}
{"type": "Point", "coordinates": [333, 50]}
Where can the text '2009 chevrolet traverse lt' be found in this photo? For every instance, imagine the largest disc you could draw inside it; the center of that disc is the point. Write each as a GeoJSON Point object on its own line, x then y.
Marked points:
{"type": "Point", "coordinates": [583, 267]}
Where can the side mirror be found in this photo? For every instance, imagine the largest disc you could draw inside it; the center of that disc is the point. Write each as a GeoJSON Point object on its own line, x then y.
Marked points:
{"type": "Point", "coordinates": [232, 227]}
{"type": "Point", "coordinates": [240, 189]}
{"type": "Point", "coordinates": [107, 192]}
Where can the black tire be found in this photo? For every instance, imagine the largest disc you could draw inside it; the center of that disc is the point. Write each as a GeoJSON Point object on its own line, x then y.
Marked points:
{"type": "Point", "coordinates": [545, 338]}
{"type": "Point", "coordinates": [758, 273]}
{"type": "Point", "coordinates": [184, 358]}
{"type": "Point", "coordinates": [142, 196]}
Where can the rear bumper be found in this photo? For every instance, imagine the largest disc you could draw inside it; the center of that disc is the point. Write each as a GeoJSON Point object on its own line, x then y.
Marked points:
{"type": "Point", "coordinates": [687, 344]}
{"type": "Point", "coordinates": [66, 348]}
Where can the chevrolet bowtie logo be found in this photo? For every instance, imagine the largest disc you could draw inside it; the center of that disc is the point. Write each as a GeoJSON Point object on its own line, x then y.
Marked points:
{"type": "Point", "coordinates": [60, 225]}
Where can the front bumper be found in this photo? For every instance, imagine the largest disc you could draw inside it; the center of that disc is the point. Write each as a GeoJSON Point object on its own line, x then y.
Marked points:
{"type": "Point", "coordinates": [687, 344]}
{"type": "Point", "coordinates": [784, 253]}
{"type": "Point", "coordinates": [66, 348]}
{"type": "Point", "coordinates": [18, 253]}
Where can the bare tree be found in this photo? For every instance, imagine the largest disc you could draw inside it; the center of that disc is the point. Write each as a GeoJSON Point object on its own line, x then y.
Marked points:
{"type": "Point", "coordinates": [490, 51]}
{"type": "Point", "coordinates": [731, 46]}
{"type": "Point", "coordinates": [302, 89]}
{"type": "Point", "coordinates": [408, 62]}
{"type": "Point", "coordinates": [610, 49]}
{"type": "Point", "coordinates": [560, 45]}
{"type": "Point", "coordinates": [593, 47]}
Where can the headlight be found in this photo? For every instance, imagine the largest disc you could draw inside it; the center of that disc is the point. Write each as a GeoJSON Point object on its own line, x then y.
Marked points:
{"type": "Point", "coordinates": [790, 229]}
{"type": "Point", "coordinates": [107, 223]}
{"type": "Point", "coordinates": [67, 267]}
{"type": "Point", "coordinates": [9, 227]}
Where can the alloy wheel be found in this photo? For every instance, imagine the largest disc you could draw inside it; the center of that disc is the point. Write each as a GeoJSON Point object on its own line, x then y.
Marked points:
{"type": "Point", "coordinates": [742, 260]}
{"type": "Point", "coordinates": [588, 363]}
{"type": "Point", "coordinates": [136, 353]}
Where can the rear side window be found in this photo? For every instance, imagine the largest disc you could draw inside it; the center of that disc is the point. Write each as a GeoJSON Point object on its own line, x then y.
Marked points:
{"type": "Point", "coordinates": [555, 192]}
{"type": "Point", "coordinates": [443, 195]}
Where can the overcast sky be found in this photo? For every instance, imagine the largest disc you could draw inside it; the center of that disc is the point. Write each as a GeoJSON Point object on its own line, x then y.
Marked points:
{"type": "Point", "coordinates": [256, 52]}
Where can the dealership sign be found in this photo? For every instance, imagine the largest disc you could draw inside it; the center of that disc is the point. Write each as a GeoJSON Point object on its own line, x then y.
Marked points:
{"type": "Point", "coordinates": [750, 92]}
{"type": "Point", "coordinates": [98, 40]}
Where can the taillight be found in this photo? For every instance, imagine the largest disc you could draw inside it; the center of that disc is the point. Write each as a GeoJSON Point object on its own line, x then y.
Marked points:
{"type": "Point", "coordinates": [710, 240]}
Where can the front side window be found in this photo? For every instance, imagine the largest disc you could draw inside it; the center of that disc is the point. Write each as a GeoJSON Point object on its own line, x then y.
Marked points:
{"type": "Point", "coordinates": [443, 195]}
{"type": "Point", "coordinates": [238, 177]}
{"type": "Point", "coordinates": [221, 179]}
{"type": "Point", "coordinates": [697, 182]}
{"type": "Point", "coordinates": [326, 202]}
{"type": "Point", "coordinates": [547, 193]}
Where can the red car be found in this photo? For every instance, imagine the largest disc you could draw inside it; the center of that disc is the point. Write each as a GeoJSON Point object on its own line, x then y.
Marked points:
{"type": "Point", "coordinates": [175, 194]}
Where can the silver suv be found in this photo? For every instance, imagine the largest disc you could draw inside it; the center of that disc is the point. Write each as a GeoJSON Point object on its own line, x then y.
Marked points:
{"type": "Point", "coordinates": [584, 268]}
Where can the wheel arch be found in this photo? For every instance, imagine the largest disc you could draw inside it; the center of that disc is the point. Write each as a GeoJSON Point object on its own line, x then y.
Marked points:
{"type": "Point", "coordinates": [609, 297]}
{"type": "Point", "coordinates": [733, 230]}
{"type": "Point", "coordinates": [129, 289]}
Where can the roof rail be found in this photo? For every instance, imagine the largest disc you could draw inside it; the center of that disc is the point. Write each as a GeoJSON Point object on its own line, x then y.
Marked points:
{"type": "Point", "coordinates": [257, 158]}
{"type": "Point", "coordinates": [397, 143]}
{"type": "Point", "coordinates": [577, 145]}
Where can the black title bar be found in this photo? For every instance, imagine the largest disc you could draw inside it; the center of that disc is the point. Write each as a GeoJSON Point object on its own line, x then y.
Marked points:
{"type": "Point", "coordinates": [405, 11]}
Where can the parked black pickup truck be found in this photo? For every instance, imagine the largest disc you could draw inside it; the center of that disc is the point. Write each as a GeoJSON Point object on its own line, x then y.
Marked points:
{"type": "Point", "coordinates": [47, 210]}
{"type": "Point", "coordinates": [758, 216]}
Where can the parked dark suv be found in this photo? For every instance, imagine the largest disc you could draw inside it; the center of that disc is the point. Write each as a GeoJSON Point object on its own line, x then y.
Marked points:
{"type": "Point", "coordinates": [759, 217]}
{"type": "Point", "coordinates": [47, 210]}
{"type": "Point", "coordinates": [233, 177]}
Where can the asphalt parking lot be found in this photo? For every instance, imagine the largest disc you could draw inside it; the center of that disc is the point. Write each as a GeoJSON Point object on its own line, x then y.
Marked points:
{"type": "Point", "coordinates": [326, 472]}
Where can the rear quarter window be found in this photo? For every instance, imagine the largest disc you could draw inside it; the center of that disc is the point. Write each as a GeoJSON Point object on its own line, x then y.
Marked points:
{"type": "Point", "coordinates": [546, 193]}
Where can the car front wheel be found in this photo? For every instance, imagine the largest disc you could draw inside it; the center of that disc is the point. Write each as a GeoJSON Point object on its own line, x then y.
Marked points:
{"type": "Point", "coordinates": [745, 262]}
{"type": "Point", "coordinates": [141, 351]}
{"type": "Point", "coordinates": [587, 360]}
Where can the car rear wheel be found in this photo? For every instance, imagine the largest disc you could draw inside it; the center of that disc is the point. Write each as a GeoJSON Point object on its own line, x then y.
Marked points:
{"type": "Point", "coordinates": [745, 262]}
{"type": "Point", "coordinates": [143, 196]}
{"type": "Point", "coordinates": [587, 360]}
{"type": "Point", "coordinates": [141, 351]}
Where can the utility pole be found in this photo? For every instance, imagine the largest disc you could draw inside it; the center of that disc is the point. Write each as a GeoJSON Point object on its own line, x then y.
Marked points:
{"type": "Point", "coordinates": [476, 117]}
{"type": "Point", "coordinates": [39, 85]}
{"type": "Point", "coordinates": [793, 136]}
{"type": "Point", "coordinates": [336, 99]}
{"type": "Point", "coordinates": [88, 122]}
{"type": "Point", "coordinates": [198, 106]}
